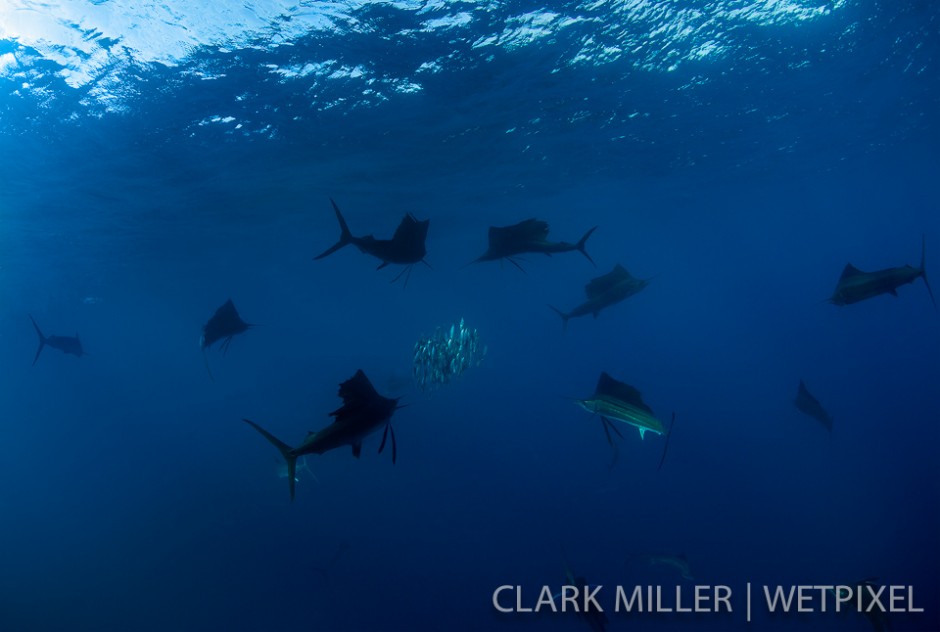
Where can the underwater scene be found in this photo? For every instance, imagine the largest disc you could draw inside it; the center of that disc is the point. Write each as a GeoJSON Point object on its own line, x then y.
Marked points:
{"type": "Point", "coordinates": [469, 315]}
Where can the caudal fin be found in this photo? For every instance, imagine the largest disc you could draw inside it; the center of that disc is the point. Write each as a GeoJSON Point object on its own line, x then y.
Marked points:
{"type": "Point", "coordinates": [42, 339]}
{"type": "Point", "coordinates": [564, 317]}
{"type": "Point", "coordinates": [345, 237]}
{"type": "Point", "coordinates": [923, 268]}
{"type": "Point", "coordinates": [581, 248]}
{"type": "Point", "coordinates": [286, 451]}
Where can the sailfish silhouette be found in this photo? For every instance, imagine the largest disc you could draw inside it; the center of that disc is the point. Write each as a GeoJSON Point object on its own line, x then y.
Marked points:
{"type": "Point", "coordinates": [224, 325]}
{"type": "Point", "coordinates": [530, 235]}
{"type": "Point", "coordinates": [363, 412]}
{"type": "Point", "coordinates": [70, 345]}
{"type": "Point", "coordinates": [406, 247]}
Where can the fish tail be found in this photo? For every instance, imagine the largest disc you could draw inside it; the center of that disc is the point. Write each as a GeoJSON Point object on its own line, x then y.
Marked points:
{"type": "Point", "coordinates": [286, 451]}
{"type": "Point", "coordinates": [42, 338]}
{"type": "Point", "coordinates": [923, 268]}
{"type": "Point", "coordinates": [582, 249]}
{"type": "Point", "coordinates": [564, 317]}
{"type": "Point", "coordinates": [345, 236]}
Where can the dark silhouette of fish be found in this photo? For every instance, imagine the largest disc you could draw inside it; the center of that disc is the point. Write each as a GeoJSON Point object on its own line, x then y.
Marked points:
{"type": "Point", "coordinates": [861, 597]}
{"type": "Point", "coordinates": [406, 247]}
{"type": "Point", "coordinates": [808, 404]}
{"type": "Point", "coordinates": [66, 344]}
{"type": "Point", "coordinates": [530, 235]}
{"type": "Point", "coordinates": [604, 291]}
{"type": "Point", "coordinates": [855, 285]}
{"type": "Point", "coordinates": [224, 325]}
{"type": "Point", "coordinates": [363, 412]}
{"type": "Point", "coordinates": [595, 618]}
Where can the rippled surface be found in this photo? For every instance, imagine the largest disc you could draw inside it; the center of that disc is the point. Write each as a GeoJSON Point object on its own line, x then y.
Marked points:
{"type": "Point", "coordinates": [159, 158]}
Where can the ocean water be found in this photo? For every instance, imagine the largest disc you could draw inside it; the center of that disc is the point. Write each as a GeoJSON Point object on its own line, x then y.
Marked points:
{"type": "Point", "coordinates": [158, 159]}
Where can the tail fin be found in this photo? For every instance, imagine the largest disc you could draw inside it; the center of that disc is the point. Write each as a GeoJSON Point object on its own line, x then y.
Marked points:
{"type": "Point", "coordinates": [923, 268]}
{"type": "Point", "coordinates": [42, 339]}
{"type": "Point", "coordinates": [345, 237]}
{"type": "Point", "coordinates": [580, 246]}
{"type": "Point", "coordinates": [286, 451]}
{"type": "Point", "coordinates": [564, 317]}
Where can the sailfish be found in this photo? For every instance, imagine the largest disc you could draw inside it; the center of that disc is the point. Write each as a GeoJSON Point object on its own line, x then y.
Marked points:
{"type": "Point", "coordinates": [363, 412]}
{"type": "Point", "coordinates": [855, 285]}
{"type": "Point", "coordinates": [604, 291]}
{"type": "Point", "coordinates": [70, 345]}
{"type": "Point", "coordinates": [224, 325]}
{"type": "Point", "coordinates": [616, 401]}
{"type": "Point", "coordinates": [406, 247]}
{"type": "Point", "coordinates": [590, 614]}
{"type": "Point", "coordinates": [809, 405]}
{"type": "Point", "coordinates": [530, 235]}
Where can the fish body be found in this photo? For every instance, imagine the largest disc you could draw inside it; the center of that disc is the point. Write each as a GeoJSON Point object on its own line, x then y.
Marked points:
{"type": "Point", "coordinates": [406, 247]}
{"type": "Point", "coordinates": [363, 412]}
{"type": "Point", "coordinates": [69, 345]}
{"type": "Point", "coordinates": [528, 236]}
{"type": "Point", "coordinates": [223, 325]}
{"type": "Point", "coordinates": [616, 401]}
{"type": "Point", "coordinates": [604, 291]}
{"type": "Point", "coordinates": [806, 403]}
{"type": "Point", "coordinates": [854, 285]}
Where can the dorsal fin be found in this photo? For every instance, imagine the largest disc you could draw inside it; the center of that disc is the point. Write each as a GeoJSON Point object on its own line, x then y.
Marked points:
{"type": "Point", "coordinates": [411, 230]}
{"type": "Point", "coordinates": [850, 271]}
{"type": "Point", "coordinates": [359, 396]}
{"type": "Point", "coordinates": [616, 389]}
{"type": "Point", "coordinates": [604, 283]}
{"type": "Point", "coordinates": [526, 231]}
{"type": "Point", "coordinates": [357, 388]}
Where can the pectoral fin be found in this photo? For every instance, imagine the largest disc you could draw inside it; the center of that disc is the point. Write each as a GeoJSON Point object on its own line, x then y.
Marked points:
{"type": "Point", "coordinates": [357, 449]}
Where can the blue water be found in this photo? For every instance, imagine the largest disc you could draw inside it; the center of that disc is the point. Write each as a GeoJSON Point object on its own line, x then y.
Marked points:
{"type": "Point", "coordinates": [737, 154]}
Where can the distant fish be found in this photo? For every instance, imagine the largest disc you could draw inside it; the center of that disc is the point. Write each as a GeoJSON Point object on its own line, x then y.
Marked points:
{"type": "Point", "coordinates": [808, 404]}
{"type": "Point", "coordinates": [616, 401]}
{"type": "Point", "coordinates": [530, 235]}
{"type": "Point", "coordinates": [363, 412]}
{"type": "Point", "coordinates": [592, 616]}
{"type": "Point", "coordinates": [70, 345]}
{"type": "Point", "coordinates": [855, 285]}
{"type": "Point", "coordinates": [224, 325]}
{"type": "Point", "coordinates": [604, 291]}
{"type": "Point", "coordinates": [406, 247]}
{"type": "Point", "coordinates": [679, 562]}
{"type": "Point", "coordinates": [862, 597]}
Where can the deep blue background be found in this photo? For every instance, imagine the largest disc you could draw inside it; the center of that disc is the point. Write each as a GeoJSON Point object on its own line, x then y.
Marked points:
{"type": "Point", "coordinates": [132, 497]}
